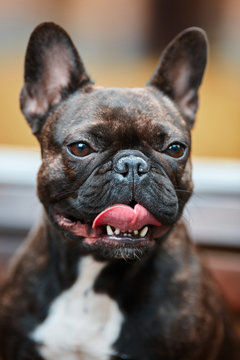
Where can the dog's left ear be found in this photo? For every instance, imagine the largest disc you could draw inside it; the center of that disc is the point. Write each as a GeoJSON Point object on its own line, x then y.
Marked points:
{"type": "Point", "coordinates": [180, 70]}
{"type": "Point", "coordinates": [53, 71]}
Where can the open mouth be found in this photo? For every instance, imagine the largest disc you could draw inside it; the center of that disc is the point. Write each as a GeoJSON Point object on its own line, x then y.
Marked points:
{"type": "Point", "coordinates": [118, 225]}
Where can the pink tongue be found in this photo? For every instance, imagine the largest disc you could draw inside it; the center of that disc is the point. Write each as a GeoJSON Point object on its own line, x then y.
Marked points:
{"type": "Point", "coordinates": [124, 217]}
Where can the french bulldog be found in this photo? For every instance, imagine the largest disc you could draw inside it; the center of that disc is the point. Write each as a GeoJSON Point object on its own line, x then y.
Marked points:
{"type": "Point", "coordinates": [110, 272]}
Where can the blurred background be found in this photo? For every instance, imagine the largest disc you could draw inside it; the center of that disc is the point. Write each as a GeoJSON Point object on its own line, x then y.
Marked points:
{"type": "Point", "coordinates": [120, 43]}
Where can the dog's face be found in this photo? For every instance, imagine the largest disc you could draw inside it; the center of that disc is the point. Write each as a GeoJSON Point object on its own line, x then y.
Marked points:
{"type": "Point", "coordinates": [116, 171]}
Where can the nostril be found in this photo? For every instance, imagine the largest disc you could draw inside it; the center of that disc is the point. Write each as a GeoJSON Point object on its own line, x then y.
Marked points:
{"type": "Point", "coordinates": [131, 166]}
{"type": "Point", "coordinates": [122, 167]}
{"type": "Point", "coordinates": [142, 168]}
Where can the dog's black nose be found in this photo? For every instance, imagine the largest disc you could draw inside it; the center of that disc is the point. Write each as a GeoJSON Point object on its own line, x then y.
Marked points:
{"type": "Point", "coordinates": [131, 165]}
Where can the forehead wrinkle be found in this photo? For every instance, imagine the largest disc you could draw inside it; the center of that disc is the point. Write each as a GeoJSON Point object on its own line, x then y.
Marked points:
{"type": "Point", "coordinates": [128, 124]}
{"type": "Point", "coordinates": [130, 111]}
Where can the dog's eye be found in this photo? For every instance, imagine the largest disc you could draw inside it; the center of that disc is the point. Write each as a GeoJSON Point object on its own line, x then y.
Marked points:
{"type": "Point", "coordinates": [176, 150]}
{"type": "Point", "coordinates": [79, 149]}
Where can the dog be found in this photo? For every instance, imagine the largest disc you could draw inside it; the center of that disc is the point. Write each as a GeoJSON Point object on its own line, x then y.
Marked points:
{"type": "Point", "coordinates": [110, 272]}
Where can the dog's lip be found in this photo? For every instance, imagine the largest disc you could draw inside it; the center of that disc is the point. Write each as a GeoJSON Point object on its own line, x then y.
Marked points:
{"type": "Point", "coordinates": [98, 233]}
{"type": "Point", "coordinates": [75, 226]}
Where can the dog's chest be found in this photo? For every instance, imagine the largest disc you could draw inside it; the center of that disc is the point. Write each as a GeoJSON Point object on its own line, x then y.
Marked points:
{"type": "Point", "coordinates": [81, 325]}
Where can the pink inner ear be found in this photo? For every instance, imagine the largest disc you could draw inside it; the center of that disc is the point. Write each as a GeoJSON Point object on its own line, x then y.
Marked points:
{"type": "Point", "coordinates": [180, 75]}
{"type": "Point", "coordinates": [188, 104]}
{"type": "Point", "coordinates": [57, 67]}
{"type": "Point", "coordinates": [184, 95]}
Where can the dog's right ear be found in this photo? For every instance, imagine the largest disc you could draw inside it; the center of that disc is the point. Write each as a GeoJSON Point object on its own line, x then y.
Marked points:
{"type": "Point", "coordinates": [53, 71]}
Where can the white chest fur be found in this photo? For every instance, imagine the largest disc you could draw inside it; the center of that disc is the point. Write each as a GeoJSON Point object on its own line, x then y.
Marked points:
{"type": "Point", "coordinates": [81, 325]}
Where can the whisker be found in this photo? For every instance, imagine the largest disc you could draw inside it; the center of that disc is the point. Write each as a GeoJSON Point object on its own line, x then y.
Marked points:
{"type": "Point", "coordinates": [183, 191]}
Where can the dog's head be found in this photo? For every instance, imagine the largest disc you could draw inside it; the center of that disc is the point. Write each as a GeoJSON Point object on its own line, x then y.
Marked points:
{"type": "Point", "coordinates": [115, 172]}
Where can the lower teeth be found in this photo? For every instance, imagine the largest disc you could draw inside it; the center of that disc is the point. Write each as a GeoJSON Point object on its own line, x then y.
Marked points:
{"type": "Point", "coordinates": [109, 230]}
{"type": "Point", "coordinates": [130, 233]}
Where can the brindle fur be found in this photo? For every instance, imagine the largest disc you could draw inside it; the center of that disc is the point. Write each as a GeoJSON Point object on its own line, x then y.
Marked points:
{"type": "Point", "coordinates": [171, 307]}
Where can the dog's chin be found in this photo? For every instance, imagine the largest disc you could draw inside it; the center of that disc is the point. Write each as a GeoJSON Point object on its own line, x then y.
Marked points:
{"type": "Point", "coordinates": [109, 242]}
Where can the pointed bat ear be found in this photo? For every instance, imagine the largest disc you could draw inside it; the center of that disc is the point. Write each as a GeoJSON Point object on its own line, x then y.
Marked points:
{"type": "Point", "coordinates": [53, 71]}
{"type": "Point", "coordinates": [180, 70]}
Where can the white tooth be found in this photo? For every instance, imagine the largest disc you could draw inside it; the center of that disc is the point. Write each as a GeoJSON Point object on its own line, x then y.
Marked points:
{"type": "Point", "coordinates": [109, 230]}
{"type": "Point", "coordinates": [130, 231]}
{"type": "Point", "coordinates": [144, 231]}
{"type": "Point", "coordinates": [135, 232]}
{"type": "Point", "coordinates": [117, 231]}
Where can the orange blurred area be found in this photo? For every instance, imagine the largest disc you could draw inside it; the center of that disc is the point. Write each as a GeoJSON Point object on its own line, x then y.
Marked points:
{"type": "Point", "coordinates": [217, 129]}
